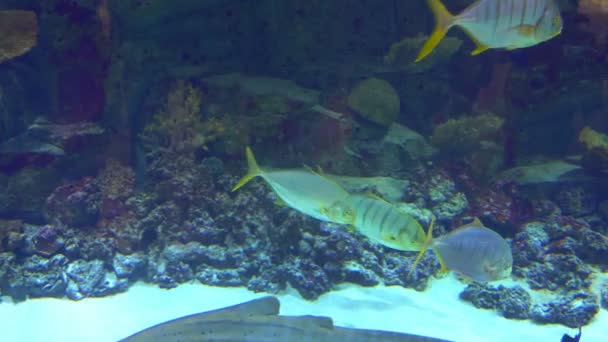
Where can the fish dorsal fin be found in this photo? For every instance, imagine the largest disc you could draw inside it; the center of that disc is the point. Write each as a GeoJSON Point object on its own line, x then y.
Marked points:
{"type": "Point", "coordinates": [475, 222]}
{"type": "Point", "coordinates": [309, 169]}
{"type": "Point", "coordinates": [376, 197]}
{"type": "Point", "coordinates": [322, 174]}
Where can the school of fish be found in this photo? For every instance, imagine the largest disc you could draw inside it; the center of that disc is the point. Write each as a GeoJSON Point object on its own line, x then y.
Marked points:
{"type": "Point", "coordinates": [474, 251]}
{"type": "Point", "coordinates": [496, 24]}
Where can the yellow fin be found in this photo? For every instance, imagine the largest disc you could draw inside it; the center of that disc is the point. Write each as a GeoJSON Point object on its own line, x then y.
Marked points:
{"type": "Point", "coordinates": [480, 47]}
{"type": "Point", "coordinates": [254, 169]}
{"type": "Point", "coordinates": [280, 202]}
{"type": "Point", "coordinates": [463, 278]}
{"type": "Point", "coordinates": [425, 247]}
{"type": "Point", "coordinates": [476, 222]}
{"type": "Point", "coordinates": [443, 21]}
{"type": "Point", "coordinates": [444, 268]}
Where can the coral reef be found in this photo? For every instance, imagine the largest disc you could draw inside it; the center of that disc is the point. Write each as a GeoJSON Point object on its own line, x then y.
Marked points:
{"type": "Point", "coordinates": [111, 76]}
{"type": "Point", "coordinates": [184, 234]}
{"type": "Point", "coordinates": [474, 141]}
{"type": "Point", "coordinates": [512, 303]}
{"type": "Point", "coordinates": [574, 310]}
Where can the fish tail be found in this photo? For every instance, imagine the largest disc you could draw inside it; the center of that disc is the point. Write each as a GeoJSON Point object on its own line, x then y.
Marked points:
{"type": "Point", "coordinates": [254, 169]}
{"type": "Point", "coordinates": [443, 21]}
{"type": "Point", "coordinates": [425, 247]}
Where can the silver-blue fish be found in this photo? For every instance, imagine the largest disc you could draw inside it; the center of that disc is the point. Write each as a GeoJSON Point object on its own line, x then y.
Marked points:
{"type": "Point", "coordinates": [508, 24]}
{"type": "Point", "coordinates": [474, 251]}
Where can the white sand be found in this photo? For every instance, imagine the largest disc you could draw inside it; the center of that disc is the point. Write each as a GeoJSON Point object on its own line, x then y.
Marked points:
{"type": "Point", "coordinates": [436, 312]}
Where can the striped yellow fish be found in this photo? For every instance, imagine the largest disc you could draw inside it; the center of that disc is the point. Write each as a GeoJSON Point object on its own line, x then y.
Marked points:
{"type": "Point", "coordinates": [508, 24]}
{"type": "Point", "coordinates": [382, 222]}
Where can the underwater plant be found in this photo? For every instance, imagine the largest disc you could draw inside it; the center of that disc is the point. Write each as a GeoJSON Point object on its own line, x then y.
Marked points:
{"type": "Point", "coordinates": [179, 127]}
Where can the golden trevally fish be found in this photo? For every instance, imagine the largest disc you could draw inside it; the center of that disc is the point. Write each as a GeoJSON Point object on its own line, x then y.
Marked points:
{"type": "Point", "coordinates": [300, 189]}
{"type": "Point", "coordinates": [473, 251]}
{"type": "Point", "coordinates": [380, 221]}
{"type": "Point", "coordinates": [509, 24]}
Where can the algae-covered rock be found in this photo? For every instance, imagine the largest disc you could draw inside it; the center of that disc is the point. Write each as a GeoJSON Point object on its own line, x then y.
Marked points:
{"type": "Point", "coordinates": [466, 133]}
{"type": "Point", "coordinates": [18, 33]}
{"type": "Point", "coordinates": [410, 141]}
{"type": "Point", "coordinates": [595, 158]}
{"type": "Point", "coordinates": [376, 100]}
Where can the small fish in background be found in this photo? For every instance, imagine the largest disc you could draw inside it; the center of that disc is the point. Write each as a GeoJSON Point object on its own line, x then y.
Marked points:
{"type": "Point", "coordinates": [473, 251]}
{"type": "Point", "coordinates": [381, 222]}
{"type": "Point", "coordinates": [491, 24]}
{"type": "Point", "coordinates": [301, 189]}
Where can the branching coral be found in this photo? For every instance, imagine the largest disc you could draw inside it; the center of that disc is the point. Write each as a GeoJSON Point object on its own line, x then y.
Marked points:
{"type": "Point", "coordinates": [179, 128]}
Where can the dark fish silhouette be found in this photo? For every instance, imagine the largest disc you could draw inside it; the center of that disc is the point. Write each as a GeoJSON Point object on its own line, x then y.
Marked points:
{"type": "Point", "coordinates": [576, 338]}
{"type": "Point", "coordinates": [258, 321]}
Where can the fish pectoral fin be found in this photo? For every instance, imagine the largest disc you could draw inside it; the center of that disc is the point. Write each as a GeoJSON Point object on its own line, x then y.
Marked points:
{"type": "Point", "coordinates": [526, 30]}
{"type": "Point", "coordinates": [463, 278]}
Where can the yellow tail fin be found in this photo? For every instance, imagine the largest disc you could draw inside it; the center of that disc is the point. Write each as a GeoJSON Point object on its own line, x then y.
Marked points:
{"type": "Point", "coordinates": [443, 21]}
{"type": "Point", "coordinates": [254, 169]}
{"type": "Point", "coordinates": [425, 247]}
